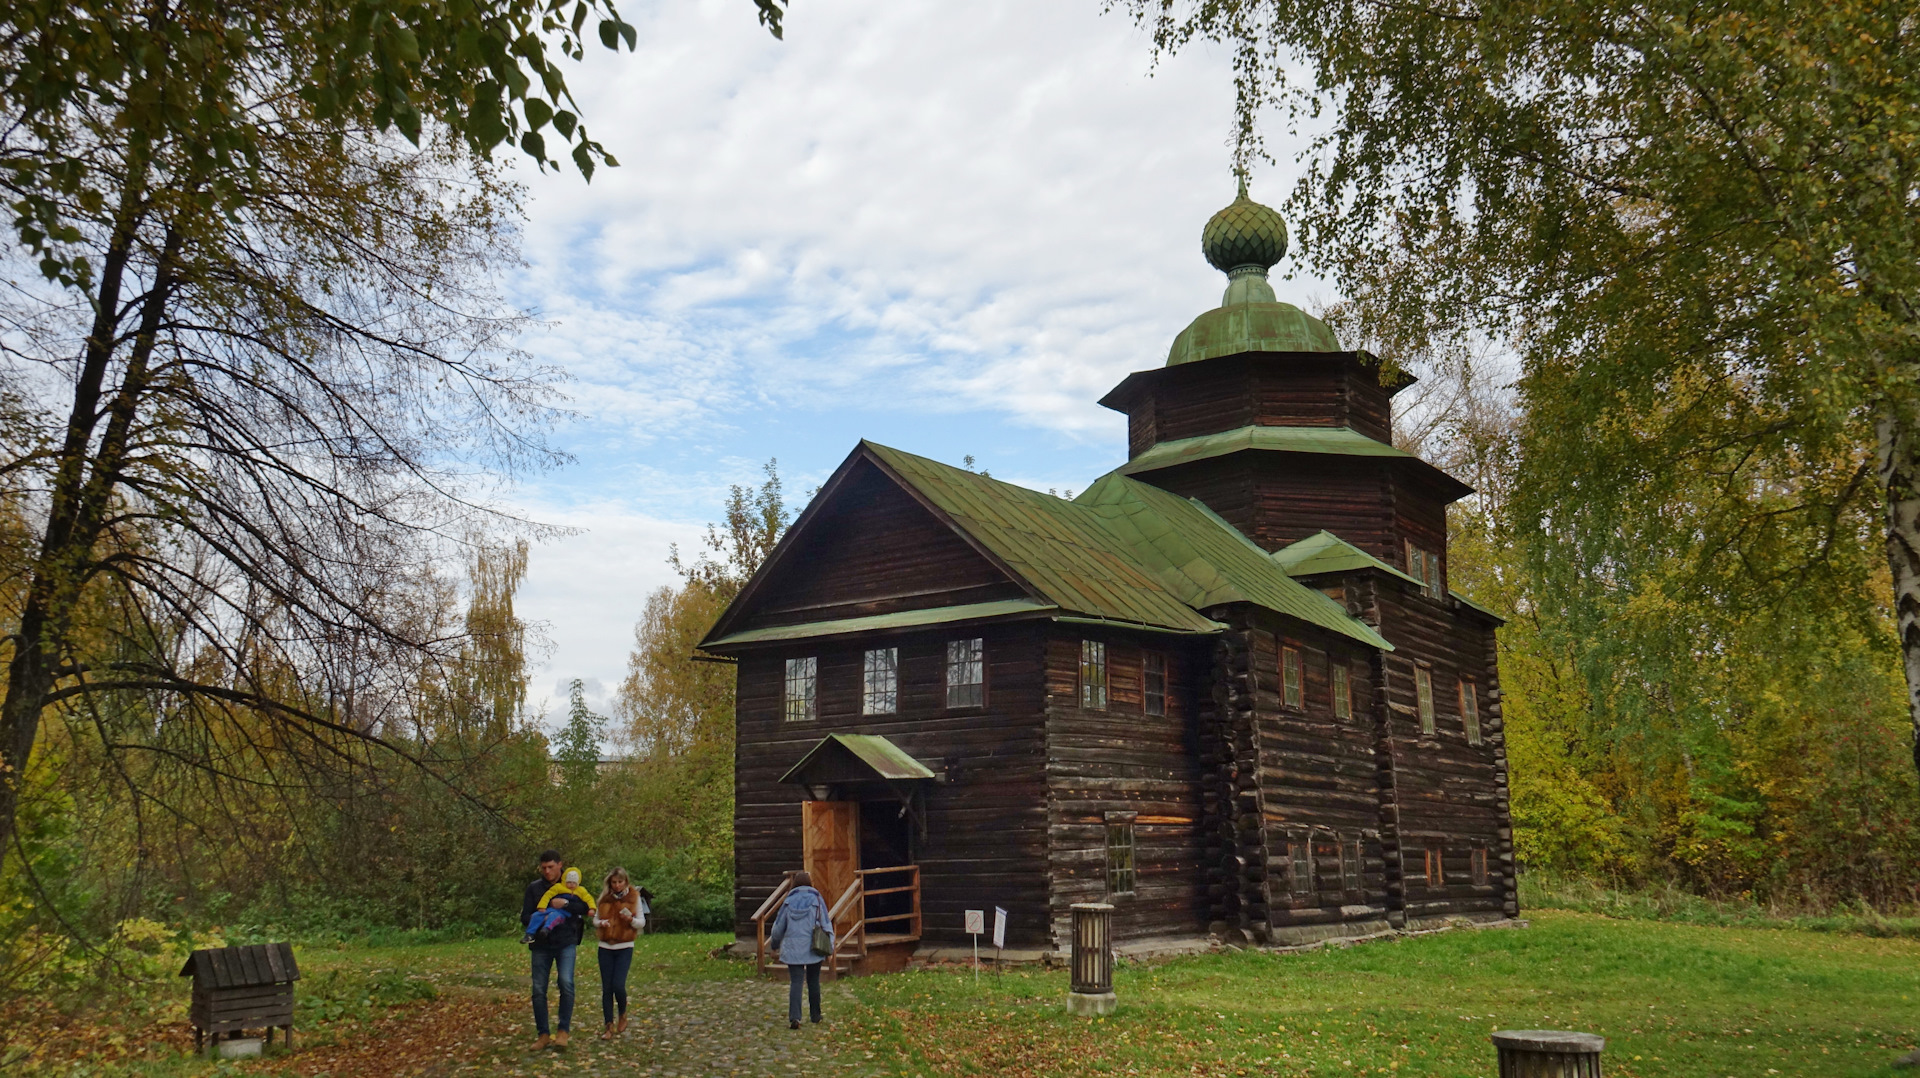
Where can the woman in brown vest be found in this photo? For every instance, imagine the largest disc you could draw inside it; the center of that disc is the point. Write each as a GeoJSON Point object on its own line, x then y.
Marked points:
{"type": "Point", "coordinates": [616, 921]}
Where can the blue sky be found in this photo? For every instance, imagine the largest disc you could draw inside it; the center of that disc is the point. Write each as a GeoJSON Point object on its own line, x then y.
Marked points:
{"type": "Point", "coordinates": [949, 228]}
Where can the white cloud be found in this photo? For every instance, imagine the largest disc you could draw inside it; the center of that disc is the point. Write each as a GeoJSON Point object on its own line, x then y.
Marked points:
{"type": "Point", "coordinates": [961, 221]}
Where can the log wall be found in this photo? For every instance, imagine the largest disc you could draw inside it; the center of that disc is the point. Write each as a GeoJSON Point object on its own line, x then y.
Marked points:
{"type": "Point", "coordinates": [1121, 760]}
{"type": "Point", "coordinates": [986, 840]}
{"type": "Point", "coordinates": [1301, 389]}
{"type": "Point", "coordinates": [1439, 791]}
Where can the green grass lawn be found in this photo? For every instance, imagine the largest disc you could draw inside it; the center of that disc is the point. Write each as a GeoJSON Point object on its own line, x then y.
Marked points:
{"type": "Point", "coordinates": [1672, 1000]}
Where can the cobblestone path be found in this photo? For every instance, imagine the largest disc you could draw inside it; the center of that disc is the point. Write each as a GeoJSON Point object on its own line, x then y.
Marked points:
{"type": "Point", "coordinates": [688, 1029]}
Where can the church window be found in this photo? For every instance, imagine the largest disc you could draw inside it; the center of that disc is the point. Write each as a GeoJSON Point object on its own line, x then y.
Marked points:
{"type": "Point", "coordinates": [967, 673]}
{"type": "Point", "coordinates": [1093, 674]}
{"type": "Point", "coordinates": [1350, 865]}
{"type": "Point", "coordinates": [801, 681]}
{"type": "Point", "coordinates": [1424, 566]}
{"type": "Point", "coordinates": [1480, 865]}
{"type": "Point", "coordinates": [1342, 692]}
{"type": "Point", "coordinates": [1120, 876]}
{"type": "Point", "coordinates": [1423, 692]}
{"type": "Point", "coordinates": [1470, 711]}
{"type": "Point", "coordinates": [1290, 676]}
{"type": "Point", "coordinates": [880, 695]}
{"type": "Point", "coordinates": [1155, 678]}
{"type": "Point", "coordinates": [1436, 868]}
{"type": "Point", "coordinates": [1300, 868]}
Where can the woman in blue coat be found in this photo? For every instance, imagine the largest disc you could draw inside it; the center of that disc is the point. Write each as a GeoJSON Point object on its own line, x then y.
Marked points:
{"type": "Point", "coordinates": [804, 910]}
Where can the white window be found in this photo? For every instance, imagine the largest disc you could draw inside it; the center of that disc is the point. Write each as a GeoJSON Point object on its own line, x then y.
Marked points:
{"type": "Point", "coordinates": [1350, 865]}
{"type": "Point", "coordinates": [1155, 687]}
{"type": "Point", "coordinates": [1470, 711]}
{"type": "Point", "coordinates": [1423, 690]}
{"type": "Point", "coordinates": [1342, 692]}
{"type": "Point", "coordinates": [801, 682]}
{"type": "Point", "coordinates": [1093, 674]}
{"type": "Point", "coordinates": [967, 673]}
{"type": "Point", "coordinates": [1290, 676]}
{"type": "Point", "coordinates": [880, 692]}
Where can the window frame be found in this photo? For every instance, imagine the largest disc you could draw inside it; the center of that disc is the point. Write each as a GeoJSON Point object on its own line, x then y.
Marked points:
{"type": "Point", "coordinates": [1477, 867]}
{"type": "Point", "coordinates": [1436, 867]}
{"type": "Point", "coordinates": [801, 670]}
{"type": "Point", "coordinates": [1093, 694]}
{"type": "Point", "coordinates": [1293, 688]}
{"type": "Point", "coordinates": [1123, 857]}
{"type": "Point", "coordinates": [870, 696]}
{"type": "Point", "coordinates": [1342, 691]}
{"type": "Point", "coordinates": [1300, 868]}
{"type": "Point", "coordinates": [1470, 711]}
{"type": "Point", "coordinates": [1148, 695]}
{"type": "Point", "coordinates": [975, 663]}
{"type": "Point", "coordinates": [1352, 854]}
{"type": "Point", "coordinates": [1423, 699]}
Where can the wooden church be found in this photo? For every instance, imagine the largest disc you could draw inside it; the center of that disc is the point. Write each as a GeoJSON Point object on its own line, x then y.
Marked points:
{"type": "Point", "coordinates": [1226, 689]}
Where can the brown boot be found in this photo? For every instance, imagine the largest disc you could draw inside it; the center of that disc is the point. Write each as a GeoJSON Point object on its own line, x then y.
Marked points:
{"type": "Point", "coordinates": [560, 1039]}
{"type": "Point", "coordinates": [621, 1025]}
{"type": "Point", "coordinates": [541, 1044]}
{"type": "Point", "coordinates": [607, 1033]}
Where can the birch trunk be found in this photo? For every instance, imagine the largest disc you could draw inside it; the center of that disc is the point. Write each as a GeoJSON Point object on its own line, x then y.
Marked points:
{"type": "Point", "coordinates": [1898, 437]}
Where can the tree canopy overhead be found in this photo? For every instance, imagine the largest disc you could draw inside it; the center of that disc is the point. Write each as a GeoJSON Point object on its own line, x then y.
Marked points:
{"type": "Point", "coordinates": [1698, 225]}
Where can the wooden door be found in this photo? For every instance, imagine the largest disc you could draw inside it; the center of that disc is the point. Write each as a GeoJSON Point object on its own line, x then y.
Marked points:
{"type": "Point", "coordinates": [830, 831]}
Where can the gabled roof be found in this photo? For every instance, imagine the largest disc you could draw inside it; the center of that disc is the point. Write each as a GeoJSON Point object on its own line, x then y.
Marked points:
{"type": "Point", "coordinates": [1124, 553]}
{"type": "Point", "coordinates": [1325, 552]}
{"type": "Point", "coordinates": [1207, 561]}
{"type": "Point", "coordinates": [1062, 550]}
{"type": "Point", "coordinates": [1321, 441]}
{"type": "Point", "coordinates": [870, 751]}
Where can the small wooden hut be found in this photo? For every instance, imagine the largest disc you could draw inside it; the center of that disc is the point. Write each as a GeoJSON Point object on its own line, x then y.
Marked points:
{"type": "Point", "coordinates": [241, 988]}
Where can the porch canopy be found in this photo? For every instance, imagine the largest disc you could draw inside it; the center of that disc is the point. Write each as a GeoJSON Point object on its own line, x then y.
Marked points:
{"type": "Point", "coordinates": [860, 767]}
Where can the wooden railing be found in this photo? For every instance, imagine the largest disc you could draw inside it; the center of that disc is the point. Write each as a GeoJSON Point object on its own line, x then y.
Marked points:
{"type": "Point", "coordinates": [849, 945]}
{"type": "Point", "coordinates": [855, 896]}
{"type": "Point", "coordinates": [769, 908]}
{"type": "Point", "coordinates": [912, 886]}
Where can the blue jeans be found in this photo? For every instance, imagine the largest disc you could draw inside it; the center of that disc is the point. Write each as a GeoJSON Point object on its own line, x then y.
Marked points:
{"type": "Point", "coordinates": [614, 964]}
{"type": "Point", "coordinates": [809, 973]}
{"type": "Point", "coordinates": [545, 959]}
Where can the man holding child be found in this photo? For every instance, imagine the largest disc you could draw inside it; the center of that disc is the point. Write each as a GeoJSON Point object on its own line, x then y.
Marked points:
{"type": "Point", "coordinates": [555, 952]}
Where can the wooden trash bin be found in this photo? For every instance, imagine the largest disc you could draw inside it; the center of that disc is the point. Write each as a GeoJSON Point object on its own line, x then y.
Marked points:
{"type": "Point", "coordinates": [1091, 991]}
{"type": "Point", "coordinates": [1548, 1053]}
{"type": "Point", "coordinates": [240, 988]}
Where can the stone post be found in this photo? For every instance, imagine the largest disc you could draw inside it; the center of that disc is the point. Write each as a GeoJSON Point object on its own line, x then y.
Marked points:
{"type": "Point", "coordinates": [1092, 989]}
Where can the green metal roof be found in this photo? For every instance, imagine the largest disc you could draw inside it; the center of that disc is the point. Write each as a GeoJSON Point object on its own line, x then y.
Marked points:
{"type": "Point", "coordinates": [1062, 550]}
{"type": "Point", "coordinates": [1325, 552]}
{"type": "Point", "coordinates": [1336, 441]}
{"type": "Point", "coordinates": [1250, 327]}
{"type": "Point", "coordinates": [887, 759]}
{"type": "Point", "coordinates": [1206, 561]}
{"type": "Point", "coordinates": [904, 619]}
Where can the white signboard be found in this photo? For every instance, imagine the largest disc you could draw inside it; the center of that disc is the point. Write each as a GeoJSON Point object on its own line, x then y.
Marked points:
{"type": "Point", "coordinates": [999, 927]}
{"type": "Point", "coordinates": [976, 922]}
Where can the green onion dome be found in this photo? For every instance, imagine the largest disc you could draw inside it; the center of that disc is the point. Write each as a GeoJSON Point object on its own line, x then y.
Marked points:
{"type": "Point", "coordinates": [1244, 234]}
